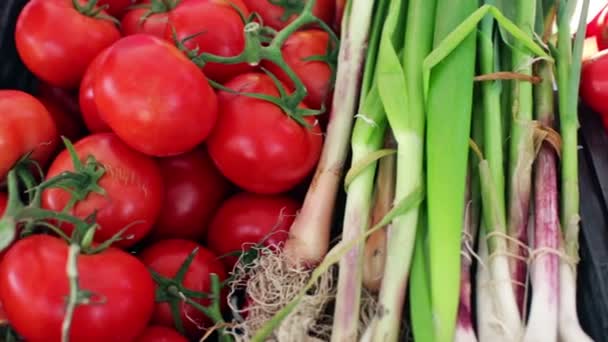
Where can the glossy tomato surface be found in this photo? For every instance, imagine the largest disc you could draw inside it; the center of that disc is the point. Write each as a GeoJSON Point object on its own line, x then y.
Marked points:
{"type": "Point", "coordinates": [273, 15]}
{"type": "Point", "coordinates": [132, 183]}
{"type": "Point", "coordinates": [116, 8]}
{"type": "Point", "coordinates": [153, 97]}
{"type": "Point", "coordinates": [258, 146]}
{"type": "Point", "coordinates": [157, 333]}
{"type": "Point", "coordinates": [34, 287]}
{"type": "Point", "coordinates": [26, 127]}
{"type": "Point", "coordinates": [140, 20]}
{"type": "Point", "coordinates": [594, 82]}
{"type": "Point", "coordinates": [86, 96]}
{"type": "Point", "coordinates": [247, 219]}
{"type": "Point", "coordinates": [214, 27]}
{"type": "Point", "coordinates": [194, 189]}
{"type": "Point", "coordinates": [165, 257]}
{"type": "Point", "coordinates": [315, 75]}
{"type": "Point", "coordinates": [57, 42]}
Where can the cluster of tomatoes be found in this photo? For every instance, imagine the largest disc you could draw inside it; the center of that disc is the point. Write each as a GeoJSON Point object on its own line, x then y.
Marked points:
{"type": "Point", "coordinates": [191, 163]}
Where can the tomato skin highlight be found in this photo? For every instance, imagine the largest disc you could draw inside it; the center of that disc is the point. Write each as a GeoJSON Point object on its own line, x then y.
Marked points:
{"type": "Point", "coordinates": [194, 189]}
{"type": "Point", "coordinates": [34, 285]}
{"type": "Point", "coordinates": [315, 75]}
{"type": "Point", "coordinates": [246, 219]}
{"type": "Point", "coordinates": [594, 82]}
{"type": "Point", "coordinates": [26, 126]}
{"type": "Point", "coordinates": [132, 183]}
{"type": "Point", "coordinates": [57, 43]}
{"type": "Point", "coordinates": [165, 257]}
{"type": "Point", "coordinates": [220, 30]}
{"type": "Point", "coordinates": [256, 145]}
{"type": "Point", "coordinates": [155, 99]}
{"type": "Point", "coordinates": [86, 96]}
{"type": "Point", "coordinates": [271, 14]}
{"type": "Point", "coordinates": [157, 333]}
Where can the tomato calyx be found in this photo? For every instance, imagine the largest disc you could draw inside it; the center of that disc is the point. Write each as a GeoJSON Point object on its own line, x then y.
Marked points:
{"type": "Point", "coordinates": [90, 9]}
{"type": "Point", "coordinates": [155, 7]}
{"type": "Point", "coordinates": [173, 292]}
{"type": "Point", "coordinates": [263, 43]}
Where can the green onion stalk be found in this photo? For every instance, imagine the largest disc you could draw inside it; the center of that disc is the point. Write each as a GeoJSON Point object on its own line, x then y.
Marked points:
{"type": "Point", "coordinates": [400, 82]}
{"type": "Point", "coordinates": [366, 141]}
{"type": "Point", "coordinates": [447, 136]}
{"type": "Point", "coordinates": [521, 152]}
{"type": "Point", "coordinates": [568, 71]}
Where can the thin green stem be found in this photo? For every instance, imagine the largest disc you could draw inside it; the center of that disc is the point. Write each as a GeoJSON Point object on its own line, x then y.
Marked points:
{"type": "Point", "coordinates": [73, 297]}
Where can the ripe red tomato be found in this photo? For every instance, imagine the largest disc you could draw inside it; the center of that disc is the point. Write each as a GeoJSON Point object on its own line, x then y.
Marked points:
{"type": "Point", "coordinates": [86, 98]}
{"type": "Point", "coordinates": [154, 98]}
{"type": "Point", "coordinates": [316, 75]}
{"type": "Point", "coordinates": [247, 219]}
{"type": "Point", "coordinates": [26, 126]}
{"type": "Point", "coordinates": [272, 14]}
{"type": "Point", "coordinates": [68, 124]}
{"type": "Point", "coordinates": [256, 145]}
{"type": "Point", "coordinates": [3, 202]}
{"type": "Point", "coordinates": [194, 189]}
{"type": "Point", "coordinates": [221, 32]}
{"type": "Point", "coordinates": [116, 8]}
{"type": "Point", "coordinates": [594, 82]}
{"type": "Point", "coordinates": [134, 22]}
{"type": "Point", "coordinates": [34, 287]}
{"type": "Point", "coordinates": [157, 333]}
{"type": "Point", "coordinates": [132, 182]}
{"type": "Point", "coordinates": [165, 257]}
{"type": "Point", "coordinates": [57, 42]}
{"type": "Point", "coordinates": [67, 99]}
{"type": "Point", "coordinates": [601, 28]}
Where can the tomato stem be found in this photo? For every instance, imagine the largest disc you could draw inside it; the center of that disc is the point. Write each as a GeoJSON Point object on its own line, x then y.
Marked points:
{"type": "Point", "coordinates": [75, 296]}
{"type": "Point", "coordinates": [90, 9]}
{"type": "Point", "coordinates": [263, 43]}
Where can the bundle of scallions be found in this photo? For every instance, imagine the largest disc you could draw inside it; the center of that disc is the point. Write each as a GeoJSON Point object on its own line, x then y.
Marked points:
{"type": "Point", "coordinates": [462, 201]}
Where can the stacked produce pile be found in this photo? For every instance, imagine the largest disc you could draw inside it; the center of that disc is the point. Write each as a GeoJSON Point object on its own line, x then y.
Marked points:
{"type": "Point", "coordinates": [178, 172]}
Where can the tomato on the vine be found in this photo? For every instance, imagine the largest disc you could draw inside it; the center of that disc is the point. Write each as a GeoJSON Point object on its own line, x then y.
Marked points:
{"type": "Point", "coordinates": [116, 8]}
{"type": "Point", "coordinates": [194, 189]}
{"type": "Point", "coordinates": [142, 20]}
{"type": "Point", "coordinates": [273, 12]}
{"type": "Point", "coordinates": [165, 258]}
{"type": "Point", "coordinates": [315, 75]}
{"type": "Point", "coordinates": [211, 26]}
{"type": "Point", "coordinates": [68, 124]}
{"type": "Point", "coordinates": [132, 184]}
{"type": "Point", "coordinates": [158, 333]}
{"type": "Point", "coordinates": [256, 145]}
{"type": "Point", "coordinates": [26, 127]}
{"type": "Point", "coordinates": [86, 96]}
{"type": "Point", "coordinates": [57, 41]}
{"type": "Point", "coordinates": [594, 82]}
{"type": "Point", "coordinates": [34, 287]}
{"type": "Point", "coordinates": [247, 219]}
{"type": "Point", "coordinates": [153, 97]}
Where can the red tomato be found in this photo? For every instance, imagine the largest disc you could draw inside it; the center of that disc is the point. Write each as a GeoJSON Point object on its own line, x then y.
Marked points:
{"type": "Point", "coordinates": [3, 202]}
{"type": "Point", "coordinates": [34, 287]}
{"type": "Point", "coordinates": [194, 189]}
{"type": "Point", "coordinates": [272, 14]}
{"type": "Point", "coordinates": [116, 8]}
{"type": "Point", "coordinates": [594, 82]}
{"type": "Point", "coordinates": [157, 333]}
{"type": "Point", "coordinates": [256, 145]}
{"type": "Point", "coordinates": [135, 21]}
{"type": "Point", "coordinates": [247, 219]}
{"type": "Point", "coordinates": [132, 182]}
{"type": "Point", "coordinates": [221, 32]}
{"type": "Point", "coordinates": [57, 42]}
{"type": "Point", "coordinates": [86, 98]}
{"type": "Point", "coordinates": [67, 99]}
{"type": "Point", "coordinates": [165, 257]}
{"type": "Point", "coordinates": [154, 98]}
{"type": "Point", "coordinates": [316, 75]}
{"type": "Point", "coordinates": [601, 35]}
{"type": "Point", "coordinates": [68, 125]}
{"type": "Point", "coordinates": [26, 126]}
